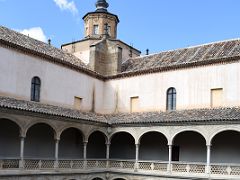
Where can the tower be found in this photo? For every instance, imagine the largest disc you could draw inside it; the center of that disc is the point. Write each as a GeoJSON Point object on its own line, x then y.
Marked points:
{"type": "Point", "coordinates": [100, 22]}
{"type": "Point", "coordinates": [100, 49]}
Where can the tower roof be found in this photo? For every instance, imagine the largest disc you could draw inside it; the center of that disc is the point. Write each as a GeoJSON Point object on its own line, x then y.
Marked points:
{"type": "Point", "coordinates": [101, 6]}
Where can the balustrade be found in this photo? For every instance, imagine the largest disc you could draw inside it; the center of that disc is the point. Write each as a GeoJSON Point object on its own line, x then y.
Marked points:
{"type": "Point", "coordinates": [177, 168]}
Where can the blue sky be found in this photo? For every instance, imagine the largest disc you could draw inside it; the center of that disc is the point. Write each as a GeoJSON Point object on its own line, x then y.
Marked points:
{"type": "Point", "coordinates": [155, 24]}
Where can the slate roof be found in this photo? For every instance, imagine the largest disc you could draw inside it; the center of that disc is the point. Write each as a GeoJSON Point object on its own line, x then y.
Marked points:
{"type": "Point", "coordinates": [39, 48]}
{"type": "Point", "coordinates": [203, 54]}
{"type": "Point", "coordinates": [183, 116]}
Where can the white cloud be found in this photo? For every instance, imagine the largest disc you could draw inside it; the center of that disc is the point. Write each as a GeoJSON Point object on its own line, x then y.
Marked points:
{"type": "Point", "coordinates": [35, 32]}
{"type": "Point", "coordinates": [65, 5]}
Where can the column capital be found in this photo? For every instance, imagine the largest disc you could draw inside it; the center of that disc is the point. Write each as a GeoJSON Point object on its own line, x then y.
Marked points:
{"type": "Point", "coordinates": [85, 142]}
{"type": "Point", "coordinates": [208, 145]}
{"type": "Point", "coordinates": [22, 136]}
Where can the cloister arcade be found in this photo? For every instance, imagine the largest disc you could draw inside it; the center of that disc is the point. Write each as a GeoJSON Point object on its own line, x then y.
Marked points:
{"type": "Point", "coordinates": [137, 147]}
{"type": "Point", "coordinates": [41, 142]}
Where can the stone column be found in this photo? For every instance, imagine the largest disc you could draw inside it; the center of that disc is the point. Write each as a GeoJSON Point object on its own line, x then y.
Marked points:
{"type": "Point", "coordinates": [56, 152]}
{"type": "Point", "coordinates": [108, 150]}
{"type": "Point", "coordinates": [137, 156]}
{"type": "Point", "coordinates": [85, 150]}
{"type": "Point", "coordinates": [108, 153]}
{"type": "Point", "coordinates": [85, 154]}
{"type": "Point", "coordinates": [22, 143]}
{"type": "Point", "coordinates": [56, 149]}
{"type": "Point", "coordinates": [169, 157]}
{"type": "Point", "coordinates": [208, 159]}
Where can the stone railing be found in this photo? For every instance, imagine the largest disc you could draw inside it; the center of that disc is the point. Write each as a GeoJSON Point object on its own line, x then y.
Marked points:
{"type": "Point", "coordinates": [144, 167]}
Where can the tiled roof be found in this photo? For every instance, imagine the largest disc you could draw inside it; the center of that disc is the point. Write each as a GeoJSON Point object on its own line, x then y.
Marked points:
{"type": "Point", "coordinates": [194, 115]}
{"type": "Point", "coordinates": [39, 48]}
{"type": "Point", "coordinates": [35, 107]}
{"type": "Point", "coordinates": [183, 116]}
{"type": "Point", "coordinates": [225, 51]}
{"type": "Point", "coordinates": [203, 54]}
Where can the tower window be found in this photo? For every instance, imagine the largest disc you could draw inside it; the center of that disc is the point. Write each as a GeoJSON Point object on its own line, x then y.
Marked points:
{"type": "Point", "coordinates": [35, 89]}
{"type": "Point", "coordinates": [109, 30]}
{"type": "Point", "coordinates": [95, 29]}
{"type": "Point", "coordinates": [171, 99]}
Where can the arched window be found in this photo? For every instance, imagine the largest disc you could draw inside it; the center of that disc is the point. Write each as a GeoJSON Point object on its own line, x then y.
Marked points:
{"type": "Point", "coordinates": [171, 99]}
{"type": "Point", "coordinates": [35, 89]}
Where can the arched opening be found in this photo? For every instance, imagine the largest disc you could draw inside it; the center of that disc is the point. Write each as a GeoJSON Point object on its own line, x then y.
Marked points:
{"type": "Point", "coordinates": [9, 139]}
{"type": "Point", "coordinates": [226, 147]}
{"type": "Point", "coordinates": [119, 179]}
{"type": "Point", "coordinates": [35, 89]}
{"type": "Point", "coordinates": [97, 179]}
{"type": "Point", "coordinates": [96, 147]}
{"type": "Point", "coordinates": [122, 146]}
{"type": "Point", "coordinates": [40, 142]}
{"type": "Point", "coordinates": [153, 146]}
{"type": "Point", "coordinates": [71, 144]}
{"type": "Point", "coordinates": [171, 99]}
{"type": "Point", "coordinates": [189, 146]}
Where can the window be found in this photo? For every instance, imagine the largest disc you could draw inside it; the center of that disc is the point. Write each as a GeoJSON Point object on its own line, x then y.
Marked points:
{"type": "Point", "coordinates": [134, 104]}
{"type": "Point", "coordinates": [216, 97]}
{"type": "Point", "coordinates": [109, 30]}
{"type": "Point", "coordinates": [171, 99]}
{"type": "Point", "coordinates": [95, 29]}
{"type": "Point", "coordinates": [77, 103]}
{"type": "Point", "coordinates": [35, 89]}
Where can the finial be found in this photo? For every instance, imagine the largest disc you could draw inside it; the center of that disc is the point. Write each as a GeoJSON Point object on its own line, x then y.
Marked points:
{"type": "Point", "coordinates": [147, 51]}
{"type": "Point", "coordinates": [101, 6]}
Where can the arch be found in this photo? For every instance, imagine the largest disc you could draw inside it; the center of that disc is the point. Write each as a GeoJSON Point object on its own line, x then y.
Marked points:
{"type": "Point", "coordinates": [35, 89]}
{"type": "Point", "coordinates": [97, 178]}
{"type": "Point", "coordinates": [71, 144]}
{"type": "Point", "coordinates": [148, 131]}
{"type": "Point", "coordinates": [119, 178]}
{"type": "Point", "coordinates": [97, 130]}
{"type": "Point", "coordinates": [222, 130]}
{"type": "Point", "coordinates": [16, 121]}
{"type": "Point", "coordinates": [189, 146]}
{"type": "Point", "coordinates": [122, 146]}
{"type": "Point", "coordinates": [226, 147]}
{"type": "Point", "coordinates": [153, 146]}
{"type": "Point", "coordinates": [39, 142]}
{"type": "Point", "coordinates": [122, 131]}
{"type": "Point", "coordinates": [9, 139]}
{"type": "Point", "coordinates": [96, 146]}
{"type": "Point", "coordinates": [31, 124]}
{"type": "Point", "coordinates": [187, 130]}
{"type": "Point", "coordinates": [171, 99]}
{"type": "Point", "coordinates": [69, 127]}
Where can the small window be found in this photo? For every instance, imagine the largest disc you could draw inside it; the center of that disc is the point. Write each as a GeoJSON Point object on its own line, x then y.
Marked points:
{"type": "Point", "coordinates": [171, 99]}
{"type": "Point", "coordinates": [77, 103]}
{"type": "Point", "coordinates": [134, 104]}
{"type": "Point", "coordinates": [35, 89]}
{"type": "Point", "coordinates": [216, 97]}
{"type": "Point", "coordinates": [95, 29]}
{"type": "Point", "coordinates": [109, 30]}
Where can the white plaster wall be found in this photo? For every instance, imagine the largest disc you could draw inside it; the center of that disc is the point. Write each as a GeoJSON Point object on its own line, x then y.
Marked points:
{"type": "Point", "coordinates": [59, 84]}
{"type": "Point", "coordinates": [193, 88]}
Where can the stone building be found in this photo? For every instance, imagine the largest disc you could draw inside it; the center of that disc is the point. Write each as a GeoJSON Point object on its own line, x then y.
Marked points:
{"type": "Point", "coordinates": [97, 110]}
